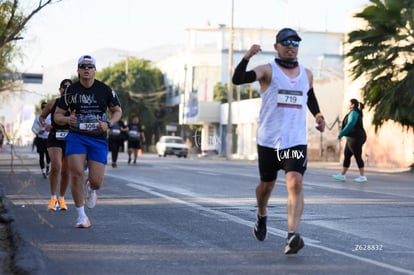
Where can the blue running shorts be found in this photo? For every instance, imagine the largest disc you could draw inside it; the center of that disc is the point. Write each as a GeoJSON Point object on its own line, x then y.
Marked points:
{"type": "Point", "coordinates": [96, 149]}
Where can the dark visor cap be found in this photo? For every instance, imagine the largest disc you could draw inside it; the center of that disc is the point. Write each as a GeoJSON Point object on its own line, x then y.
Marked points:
{"type": "Point", "coordinates": [285, 33]}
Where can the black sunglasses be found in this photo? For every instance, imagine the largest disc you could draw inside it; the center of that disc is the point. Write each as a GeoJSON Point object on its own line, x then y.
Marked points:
{"type": "Point", "coordinates": [288, 42]}
{"type": "Point", "coordinates": [86, 66]}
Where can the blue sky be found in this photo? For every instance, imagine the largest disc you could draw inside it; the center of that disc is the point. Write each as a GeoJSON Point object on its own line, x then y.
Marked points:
{"type": "Point", "coordinates": [74, 27]}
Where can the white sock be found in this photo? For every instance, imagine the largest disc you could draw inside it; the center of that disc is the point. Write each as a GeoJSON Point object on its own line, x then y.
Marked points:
{"type": "Point", "coordinates": [81, 211]}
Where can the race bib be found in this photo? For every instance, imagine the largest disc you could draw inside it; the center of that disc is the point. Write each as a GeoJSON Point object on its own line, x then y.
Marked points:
{"type": "Point", "coordinates": [133, 133]}
{"type": "Point", "coordinates": [60, 135]}
{"type": "Point", "coordinates": [88, 126]}
{"type": "Point", "coordinates": [115, 132]}
{"type": "Point", "coordinates": [290, 99]}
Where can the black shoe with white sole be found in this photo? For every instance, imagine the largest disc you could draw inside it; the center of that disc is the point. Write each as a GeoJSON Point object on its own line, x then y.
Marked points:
{"type": "Point", "coordinates": [260, 230]}
{"type": "Point", "coordinates": [294, 244]}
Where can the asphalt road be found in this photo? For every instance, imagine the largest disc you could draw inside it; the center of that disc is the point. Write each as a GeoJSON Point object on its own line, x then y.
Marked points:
{"type": "Point", "coordinates": [195, 216]}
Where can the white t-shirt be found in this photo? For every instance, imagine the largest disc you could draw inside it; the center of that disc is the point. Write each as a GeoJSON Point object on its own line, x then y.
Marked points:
{"type": "Point", "coordinates": [37, 127]}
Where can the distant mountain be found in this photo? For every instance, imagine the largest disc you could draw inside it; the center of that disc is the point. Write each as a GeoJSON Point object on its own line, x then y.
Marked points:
{"type": "Point", "coordinates": [104, 57]}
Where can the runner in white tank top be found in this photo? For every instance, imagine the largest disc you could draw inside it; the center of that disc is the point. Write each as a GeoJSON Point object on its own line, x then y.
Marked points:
{"type": "Point", "coordinates": [284, 107]}
{"type": "Point", "coordinates": [286, 89]}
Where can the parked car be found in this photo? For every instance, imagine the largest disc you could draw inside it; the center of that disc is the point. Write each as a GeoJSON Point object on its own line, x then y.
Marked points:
{"type": "Point", "coordinates": [171, 145]}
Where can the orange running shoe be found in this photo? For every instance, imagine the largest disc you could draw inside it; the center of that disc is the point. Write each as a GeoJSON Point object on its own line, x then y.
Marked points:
{"type": "Point", "coordinates": [62, 204]}
{"type": "Point", "coordinates": [53, 204]}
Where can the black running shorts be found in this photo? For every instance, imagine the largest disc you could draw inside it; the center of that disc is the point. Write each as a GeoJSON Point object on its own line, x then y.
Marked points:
{"type": "Point", "coordinates": [272, 160]}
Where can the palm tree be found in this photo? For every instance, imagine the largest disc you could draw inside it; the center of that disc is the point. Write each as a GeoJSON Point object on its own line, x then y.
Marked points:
{"type": "Point", "coordinates": [383, 53]}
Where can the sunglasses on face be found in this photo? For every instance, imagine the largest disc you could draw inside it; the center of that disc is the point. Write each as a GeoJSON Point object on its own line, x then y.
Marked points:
{"type": "Point", "coordinates": [86, 66]}
{"type": "Point", "coordinates": [288, 42]}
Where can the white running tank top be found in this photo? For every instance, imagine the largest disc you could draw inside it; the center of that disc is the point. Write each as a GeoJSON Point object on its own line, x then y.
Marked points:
{"type": "Point", "coordinates": [282, 118]}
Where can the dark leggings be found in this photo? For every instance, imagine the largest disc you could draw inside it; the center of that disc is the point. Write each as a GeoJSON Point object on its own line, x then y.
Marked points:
{"type": "Point", "coordinates": [353, 147]}
{"type": "Point", "coordinates": [41, 145]}
{"type": "Point", "coordinates": [114, 148]}
{"type": "Point", "coordinates": [42, 156]}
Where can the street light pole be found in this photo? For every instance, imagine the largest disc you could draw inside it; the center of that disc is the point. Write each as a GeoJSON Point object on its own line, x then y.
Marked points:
{"type": "Point", "coordinates": [229, 136]}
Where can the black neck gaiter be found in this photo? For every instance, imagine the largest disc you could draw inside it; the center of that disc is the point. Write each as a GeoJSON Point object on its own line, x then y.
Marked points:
{"type": "Point", "coordinates": [287, 63]}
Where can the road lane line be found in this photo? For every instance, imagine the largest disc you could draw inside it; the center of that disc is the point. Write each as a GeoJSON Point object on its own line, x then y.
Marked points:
{"type": "Point", "coordinates": [208, 173]}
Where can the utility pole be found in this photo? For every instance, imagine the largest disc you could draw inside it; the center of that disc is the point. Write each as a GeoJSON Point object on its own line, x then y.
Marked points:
{"type": "Point", "coordinates": [183, 102]}
{"type": "Point", "coordinates": [229, 136]}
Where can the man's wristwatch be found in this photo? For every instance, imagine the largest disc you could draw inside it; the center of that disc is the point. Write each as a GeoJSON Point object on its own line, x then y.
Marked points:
{"type": "Point", "coordinates": [109, 124]}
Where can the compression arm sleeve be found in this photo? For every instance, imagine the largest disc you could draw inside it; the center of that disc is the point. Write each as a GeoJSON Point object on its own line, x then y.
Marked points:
{"type": "Point", "coordinates": [240, 75]}
{"type": "Point", "coordinates": [313, 103]}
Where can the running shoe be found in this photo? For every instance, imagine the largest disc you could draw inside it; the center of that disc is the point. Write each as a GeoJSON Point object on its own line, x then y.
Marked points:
{"type": "Point", "coordinates": [339, 177]}
{"type": "Point", "coordinates": [53, 204]}
{"type": "Point", "coordinates": [62, 204]}
{"type": "Point", "coordinates": [260, 230]}
{"type": "Point", "coordinates": [294, 244]}
{"type": "Point", "coordinates": [44, 175]}
{"type": "Point", "coordinates": [91, 196]}
{"type": "Point", "coordinates": [361, 179]}
{"type": "Point", "coordinates": [83, 222]}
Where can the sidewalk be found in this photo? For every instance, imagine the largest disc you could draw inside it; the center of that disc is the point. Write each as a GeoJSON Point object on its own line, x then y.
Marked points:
{"type": "Point", "coordinates": [9, 240]}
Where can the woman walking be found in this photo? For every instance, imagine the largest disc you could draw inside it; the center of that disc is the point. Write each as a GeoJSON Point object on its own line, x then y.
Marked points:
{"type": "Point", "coordinates": [353, 130]}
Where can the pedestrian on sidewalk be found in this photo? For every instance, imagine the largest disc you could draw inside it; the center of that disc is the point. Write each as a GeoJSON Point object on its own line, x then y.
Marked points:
{"type": "Point", "coordinates": [42, 133]}
{"type": "Point", "coordinates": [56, 149]}
{"type": "Point", "coordinates": [286, 89]}
{"type": "Point", "coordinates": [88, 102]}
{"type": "Point", "coordinates": [354, 132]}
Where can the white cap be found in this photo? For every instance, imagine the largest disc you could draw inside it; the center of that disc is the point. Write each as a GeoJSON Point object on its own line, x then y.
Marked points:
{"type": "Point", "coordinates": [84, 58]}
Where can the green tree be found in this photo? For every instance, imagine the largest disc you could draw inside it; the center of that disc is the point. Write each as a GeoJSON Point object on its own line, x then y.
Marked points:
{"type": "Point", "coordinates": [220, 92]}
{"type": "Point", "coordinates": [141, 90]}
{"type": "Point", "coordinates": [12, 25]}
{"type": "Point", "coordinates": [382, 53]}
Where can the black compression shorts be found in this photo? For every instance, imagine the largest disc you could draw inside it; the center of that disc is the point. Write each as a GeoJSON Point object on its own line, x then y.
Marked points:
{"type": "Point", "coordinates": [272, 160]}
{"type": "Point", "coordinates": [53, 142]}
{"type": "Point", "coordinates": [134, 144]}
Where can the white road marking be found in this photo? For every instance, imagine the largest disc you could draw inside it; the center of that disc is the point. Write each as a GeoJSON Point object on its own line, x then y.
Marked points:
{"type": "Point", "coordinates": [208, 173]}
